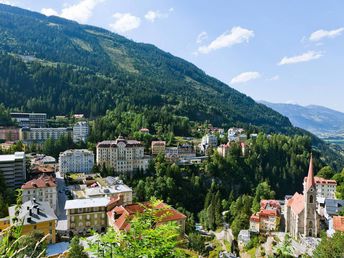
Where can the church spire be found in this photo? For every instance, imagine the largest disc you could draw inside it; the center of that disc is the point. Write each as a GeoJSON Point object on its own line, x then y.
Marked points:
{"type": "Point", "coordinates": [310, 178]}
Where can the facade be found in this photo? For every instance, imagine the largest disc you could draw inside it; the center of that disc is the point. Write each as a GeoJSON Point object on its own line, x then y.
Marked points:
{"type": "Point", "coordinates": [119, 216]}
{"type": "Point", "coordinates": [223, 149]}
{"type": "Point", "coordinates": [122, 155]}
{"type": "Point", "coordinates": [42, 189]}
{"type": "Point", "coordinates": [268, 218]}
{"type": "Point", "coordinates": [332, 207]}
{"type": "Point", "coordinates": [84, 215]}
{"type": "Point", "coordinates": [80, 131]}
{"type": "Point", "coordinates": [158, 147]}
{"type": "Point", "coordinates": [35, 215]}
{"type": "Point", "coordinates": [233, 133]}
{"type": "Point", "coordinates": [9, 134]}
{"type": "Point", "coordinates": [30, 119]}
{"type": "Point", "coordinates": [186, 150]}
{"type": "Point", "coordinates": [301, 216]}
{"type": "Point", "coordinates": [77, 160]}
{"type": "Point", "coordinates": [325, 188]}
{"type": "Point", "coordinates": [39, 135]}
{"type": "Point", "coordinates": [208, 141]}
{"type": "Point", "coordinates": [13, 169]}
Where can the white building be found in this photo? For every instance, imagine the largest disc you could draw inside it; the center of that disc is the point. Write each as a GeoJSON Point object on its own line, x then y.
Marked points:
{"type": "Point", "coordinates": [42, 189]}
{"type": "Point", "coordinates": [325, 188]}
{"type": "Point", "coordinates": [13, 169]}
{"type": "Point", "coordinates": [208, 141]}
{"type": "Point", "coordinates": [233, 133]}
{"type": "Point", "coordinates": [122, 155]}
{"type": "Point", "coordinates": [39, 135]}
{"type": "Point", "coordinates": [77, 160]}
{"type": "Point", "coordinates": [80, 131]}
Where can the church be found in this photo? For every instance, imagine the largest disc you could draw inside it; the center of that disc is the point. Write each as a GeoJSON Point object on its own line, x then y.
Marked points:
{"type": "Point", "coordinates": [301, 216]}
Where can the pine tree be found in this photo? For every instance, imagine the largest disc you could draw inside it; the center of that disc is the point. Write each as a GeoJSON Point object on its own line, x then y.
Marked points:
{"type": "Point", "coordinates": [76, 250]}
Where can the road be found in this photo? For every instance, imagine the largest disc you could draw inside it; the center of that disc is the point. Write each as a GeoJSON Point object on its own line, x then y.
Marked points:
{"type": "Point", "coordinates": [61, 212]}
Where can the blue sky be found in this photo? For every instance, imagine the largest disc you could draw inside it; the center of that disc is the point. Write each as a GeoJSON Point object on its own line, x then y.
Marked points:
{"type": "Point", "coordinates": [279, 51]}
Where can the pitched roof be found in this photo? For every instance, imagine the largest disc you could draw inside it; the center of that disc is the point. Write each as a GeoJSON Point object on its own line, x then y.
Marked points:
{"type": "Point", "coordinates": [296, 203]}
{"type": "Point", "coordinates": [43, 181]}
{"type": "Point", "coordinates": [310, 178]}
{"type": "Point", "coordinates": [165, 213]}
{"type": "Point", "coordinates": [338, 223]}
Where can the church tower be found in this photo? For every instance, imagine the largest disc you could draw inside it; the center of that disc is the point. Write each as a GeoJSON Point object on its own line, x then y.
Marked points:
{"type": "Point", "coordinates": [311, 217]}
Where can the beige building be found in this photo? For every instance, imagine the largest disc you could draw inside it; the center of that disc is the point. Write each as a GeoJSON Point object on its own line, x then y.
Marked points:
{"type": "Point", "coordinates": [158, 147]}
{"type": "Point", "coordinates": [42, 189]}
{"type": "Point", "coordinates": [13, 169]}
{"type": "Point", "coordinates": [84, 215]}
{"type": "Point", "coordinates": [301, 216]}
{"type": "Point", "coordinates": [268, 218]}
{"type": "Point", "coordinates": [122, 155]}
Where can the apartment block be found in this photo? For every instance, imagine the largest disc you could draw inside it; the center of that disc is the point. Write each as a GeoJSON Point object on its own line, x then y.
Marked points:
{"type": "Point", "coordinates": [39, 135]}
{"type": "Point", "coordinates": [13, 169]}
{"type": "Point", "coordinates": [30, 119]}
{"type": "Point", "coordinates": [80, 131]}
{"type": "Point", "coordinates": [76, 160]}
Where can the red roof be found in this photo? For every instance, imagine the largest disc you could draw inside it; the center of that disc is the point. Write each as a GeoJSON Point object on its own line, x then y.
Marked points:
{"type": "Point", "coordinates": [323, 181]}
{"type": "Point", "coordinates": [255, 217]}
{"type": "Point", "coordinates": [296, 203]}
{"type": "Point", "coordinates": [41, 182]}
{"type": "Point", "coordinates": [338, 223]}
{"type": "Point", "coordinates": [264, 204]}
{"type": "Point", "coordinates": [166, 214]}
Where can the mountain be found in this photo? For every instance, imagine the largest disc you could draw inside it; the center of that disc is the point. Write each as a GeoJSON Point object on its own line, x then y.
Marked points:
{"type": "Point", "coordinates": [319, 120]}
{"type": "Point", "coordinates": [57, 66]}
{"type": "Point", "coordinates": [94, 69]}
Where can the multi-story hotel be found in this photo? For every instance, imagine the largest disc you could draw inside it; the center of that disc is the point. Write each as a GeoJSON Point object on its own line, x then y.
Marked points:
{"type": "Point", "coordinates": [122, 155]}
{"type": "Point", "coordinates": [78, 161]}
{"type": "Point", "coordinates": [42, 189]}
{"type": "Point", "coordinates": [30, 119]}
{"type": "Point", "coordinates": [84, 215]}
{"type": "Point", "coordinates": [34, 215]}
{"type": "Point", "coordinates": [158, 147]}
{"type": "Point", "coordinates": [80, 131]}
{"type": "Point", "coordinates": [9, 134]}
{"type": "Point", "coordinates": [39, 135]}
{"type": "Point", "coordinates": [325, 188]}
{"type": "Point", "coordinates": [268, 218]}
{"type": "Point", "coordinates": [13, 169]}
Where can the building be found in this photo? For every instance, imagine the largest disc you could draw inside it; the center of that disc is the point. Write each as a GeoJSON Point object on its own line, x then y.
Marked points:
{"type": "Point", "coordinates": [35, 215]}
{"type": "Point", "coordinates": [9, 134]}
{"type": "Point", "coordinates": [80, 131]}
{"type": "Point", "coordinates": [103, 187]}
{"type": "Point", "coordinates": [332, 207]}
{"type": "Point", "coordinates": [122, 155]}
{"type": "Point", "coordinates": [158, 147]}
{"type": "Point", "coordinates": [186, 150]}
{"type": "Point", "coordinates": [223, 149]}
{"type": "Point", "coordinates": [30, 119]}
{"type": "Point", "coordinates": [233, 134]}
{"type": "Point", "coordinates": [77, 160]}
{"type": "Point", "coordinates": [144, 130]}
{"type": "Point", "coordinates": [40, 135]}
{"type": "Point", "coordinates": [171, 153]}
{"type": "Point", "coordinates": [325, 188]}
{"type": "Point", "coordinates": [301, 216]}
{"type": "Point", "coordinates": [42, 189]}
{"type": "Point", "coordinates": [244, 237]}
{"type": "Point", "coordinates": [119, 216]}
{"type": "Point", "coordinates": [268, 218]}
{"type": "Point", "coordinates": [41, 159]}
{"type": "Point", "coordinates": [84, 215]}
{"type": "Point", "coordinates": [13, 169]}
{"type": "Point", "coordinates": [6, 146]}
{"type": "Point", "coordinates": [40, 170]}
{"type": "Point", "coordinates": [208, 141]}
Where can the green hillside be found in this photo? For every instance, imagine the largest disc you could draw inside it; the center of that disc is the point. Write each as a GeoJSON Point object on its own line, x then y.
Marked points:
{"type": "Point", "coordinates": [60, 67]}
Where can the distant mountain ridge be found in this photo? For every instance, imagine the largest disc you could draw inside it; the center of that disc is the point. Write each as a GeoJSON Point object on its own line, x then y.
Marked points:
{"type": "Point", "coordinates": [316, 119]}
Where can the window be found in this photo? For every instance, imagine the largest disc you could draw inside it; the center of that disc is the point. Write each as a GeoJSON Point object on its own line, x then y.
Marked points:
{"type": "Point", "coordinates": [311, 199]}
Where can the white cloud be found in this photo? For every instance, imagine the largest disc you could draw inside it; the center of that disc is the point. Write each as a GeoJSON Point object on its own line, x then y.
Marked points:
{"type": "Point", "coordinates": [125, 22]}
{"type": "Point", "coordinates": [153, 15]}
{"type": "Point", "coordinates": [81, 11]}
{"type": "Point", "coordinates": [237, 35]}
{"type": "Point", "coordinates": [6, 2]}
{"type": "Point", "coordinates": [49, 12]}
{"type": "Point", "coordinates": [321, 34]}
{"type": "Point", "coordinates": [201, 37]}
{"type": "Point", "coordinates": [274, 78]}
{"type": "Point", "coordinates": [305, 57]}
{"type": "Point", "coordinates": [245, 77]}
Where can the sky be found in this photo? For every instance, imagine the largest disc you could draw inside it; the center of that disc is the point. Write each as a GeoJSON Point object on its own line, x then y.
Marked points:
{"type": "Point", "coordinates": [286, 51]}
